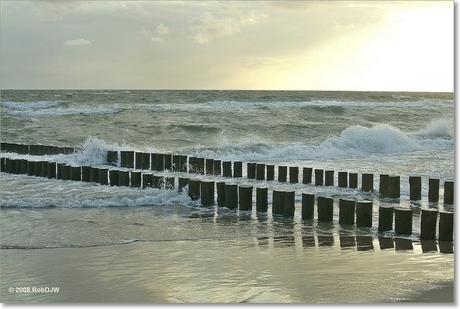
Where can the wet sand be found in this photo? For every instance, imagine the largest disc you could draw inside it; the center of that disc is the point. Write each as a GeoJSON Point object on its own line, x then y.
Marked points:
{"type": "Point", "coordinates": [445, 294]}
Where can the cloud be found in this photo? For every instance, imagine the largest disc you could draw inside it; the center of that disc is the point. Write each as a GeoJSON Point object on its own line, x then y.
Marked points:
{"type": "Point", "coordinates": [162, 29]}
{"type": "Point", "coordinates": [79, 42]}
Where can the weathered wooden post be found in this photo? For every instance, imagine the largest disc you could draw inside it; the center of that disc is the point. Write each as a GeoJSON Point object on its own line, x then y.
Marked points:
{"type": "Point", "coordinates": [231, 195]}
{"type": "Point", "coordinates": [158, 181]}
{"type": "Point", "coordinates": [207, 193]}
{"type": "Point", "coordinates": [428, 220]}
{"type": "Point", "coordinates": [262, 199]}
{"type": "Point", "coordinates": [123, 178]}
{"type": "Point", "coordinates": [367, 182]}
{"type": "Point", "coordinates": [329, 178]}
{"type": "Point", "coordinates": [318, 177]}
{"type": "Point", "coordinates": [308, 205]}
{"type": "Point", "coordinates": [251, 170]}
{"type": "Point", "coordinates": [209, 166]}
{"type": "Point", "coordinates": [347, 211]}
{"type": "Point", "coordinates": [170, 183]}
{"type": "Point", "coordinates": [200, 165]}
{"type": "Point", "coordinates": [194, 189]}
{"type": "Point", "coordinates": [220, 186]}
{"type": "Point", "coordinates": [65, 171]}
{"type": "Point", "coordinates": [282, 173]}
{"type": "Point", "coordinates": [52, 170]}
{"type": "Point", "coordinates": [433, 190]}
{"type": "Point", "coordinates": [383, 185]}
{"type": "Point", "coordinates": [113, 176]}
{"type": "Point", "coordinates": [415, 184]}
{"type": "Point", "coordinates": [353, 180]}
{"type": "Point", "coordinates": [193, 164]}
{"type": "Point", "coordinates": [159, 162]}
{"type": "Point", "coordinates": [343, 179]}
{"type": "Point", "coordinates": [260, 171]}
{"type": "Point", "coordinates": [75, 173]}
{"type": "Point", "coordinates": [449, 192]}
{"type": "Point", "coordinates": [153, 161]}
{"type": "Point", "coordinates": [446, 226]}
{"type": "Point", "coordinates": [217, 167]}
{"type": "Point", "coordinates": [168, 164]}
{"type": "Point", "coordinates": [147, 180]}
{"type": "Point", "coordinates": [103, 176]}
{"type": "Point", "coordinates": [403, 221]}
{"type": "Point", "coordinates": [237, 169]}
{"type": "Point", "coordinates": [270, 172]}
{"type": "Point", "coordinates": [325, 208]}
{"type": "Point", "coordinates": [127, 158]}
{"type": "Point", "coordinates": [136, 179]}
{"type": "Point", "coordinates": [183, 182]}
{"type": "Point", "coordinates": [183, 163]}
{"type": "Point", "coordinates": [307, 173]}
{"type": "Point", "coordinates": [364, 213]}
{"type": "Point", "coordinates": [278, 202]}
{"type": "Point", "coordinates": [44, 168]}
{"type": "Point", "coordinates": [394, 190]}
{"type": "Point", "coordinates": [289, 204]}
{"type": "Point", "coordinates": [227, 169]}
{"type": "Point", "coordinates": [94, 174]}
{"type": "Point", "coordinates": [294, 174]}
{"type": "Point", "coordinates": [385, 218]}
{"type": "Point", "coordinates": [86, 173]}
{"type": "Point", "coordinates": [145, 161]}
{"type": "Point", "coordinates": [138, 161]}
{"type": "Point", "coordinates": [112, 157]}
{"type": "Point", "coordinates": [245, 197]}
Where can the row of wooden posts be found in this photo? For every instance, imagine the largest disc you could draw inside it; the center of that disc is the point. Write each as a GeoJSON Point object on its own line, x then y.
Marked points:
{"type": "Point", "coordinates": [234, 196]}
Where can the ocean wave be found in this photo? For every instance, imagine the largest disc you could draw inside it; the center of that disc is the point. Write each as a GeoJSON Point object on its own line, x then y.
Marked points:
{"type": "Point", "coordinates": [31, 105]}
{"type": "Point", "coordinates": [64, 112]}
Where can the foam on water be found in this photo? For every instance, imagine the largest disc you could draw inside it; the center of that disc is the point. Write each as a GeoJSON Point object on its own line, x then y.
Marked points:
{"type": "Point", "coordinates": [64, 112]}
{"type": "Point", "coordinates": [31, 105]}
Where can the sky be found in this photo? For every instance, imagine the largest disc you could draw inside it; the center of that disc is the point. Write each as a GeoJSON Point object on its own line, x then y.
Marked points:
{"type": "Point", "coordinates": [260, 45]}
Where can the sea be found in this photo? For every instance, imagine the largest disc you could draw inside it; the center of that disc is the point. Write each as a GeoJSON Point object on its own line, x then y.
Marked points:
{"type": "Point", "coordinates": [71, 241]}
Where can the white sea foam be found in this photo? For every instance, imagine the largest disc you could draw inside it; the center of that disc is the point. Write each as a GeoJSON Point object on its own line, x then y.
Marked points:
{"type": "Point", "coordinates": [64, 112]}
{"type": "Point", "coordinates": [31, 105]}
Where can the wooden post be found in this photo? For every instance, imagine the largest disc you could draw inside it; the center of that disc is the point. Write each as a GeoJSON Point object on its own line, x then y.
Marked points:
{"type": "Point", "coordinates": [289, 204]}
{"type": "Point", "coordinates": [170, 183]}
{"type": "Point", "coordinates": [294, 174]}
{"type": "Point", "coordinates": [153, 161]}
{"type": "Point", "coordinates": [343, 179]}
{"type": "Point", "coordinates": [446, 226]}
{"type": "Point", "coordinates": [353, 180]}
{"type": "Point", "coordinates": [217, 167]}
{"type": "Point", "coordinates": [403, 221]}
{"type": "Point", "coordinates": [194, 189]}
{"type": "Point", "coordinates": [415, 184]}
{"type": "Point", "coordinates": [227, 169]}
{"type": "Point", "coordinates": [347, 211]}
{"type": "Point", "coordinates": [147, 180]}
{"type": "Point", "coordinates": [245, 197]}
{"type": "Point", "coordinates": [307, 173]}
{"type": "Point", "coordinates": [394, 186]}
{"type": "Point", "coordinates": [168, 164]}
{"type": "Point", "coordinates": [159, 162]}
{"type": "Point", "coordinates": [270, 172]}
{"type": "Point", "coordinates": [65, 170]}
{"type": "Point", "coordinates": [278, 202]}
{"type": "Point", "coordinates": [207, 193]}
{"type": "Point", "coordinates": [75, 173]}
{"type": "Point", "coordinates": [318, 177]}
{"type": "Point", "coordinates": [308, 205]}
{"type": "Point", "coordinates": [94, 174]}
{"type": "Point", "coordinates": [364, 213]}
{"type": "Point", "coordinates": [123, 178]}
{"type": "Point", "coordinates": [237, 169]}
{"type": "Point", "coordinates": [44, 169]}
{"type": "Point", "coordinates": [193, 164]}
{"type": "Point", "coordinates": [209, 166]}
{"type": "Point", "coordinates": [183, 163]}
{"type": "Point", "coordinates": [367, 182]}
{"type": "Point", "coordinates": [383, 185]}
{"type": "Point", "coordinates": [200, 165]}
{"type": "Point", "coordinates": [251, 170]}
{"type": "Point", "coordinates": [112, 157]}
{"type": "Point", "coordinates": [158, 181]}
{"type": "Point", "coordinates": [145, 161]}
{"type": "Point", "coordinates": [113, 176]}
{"type": "Point", "coordinates": [138, 161]}
{"type": "Point", "coordinates": [86, 173]}
{"type": "Point", "coordinates": [325, 209]}
{"type": "Point", "coordinates": [183, 181]}
{"type": "Point", "coordinates": [428, 220]}
{"type": "Point", "coordinates": [433, 190]}
{"type": "Point", "coordinates": [449, 192]}
{"type": "Point", "coordinates": [52, 170]}
{"type": "Point", "coordinates": [260, 171]}
{"type": "Point", "coordinates": [262, 199]}
{"type": "Point", "coordinates": [385, 218]}
{"type": "Point", "coordinates": [220, 186]}
{"type": "Point", "coordinates": [282, 173]}
{"type": "Point", "coordinates": [103, 176]}
{"type": "Point", "coordinates": [136, 179]}
{"type": "Point", "coordinates": [231, 195]}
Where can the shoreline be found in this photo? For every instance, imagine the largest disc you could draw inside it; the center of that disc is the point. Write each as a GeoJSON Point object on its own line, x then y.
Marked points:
{"type": "Point", "coordinates": [445, 294]}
